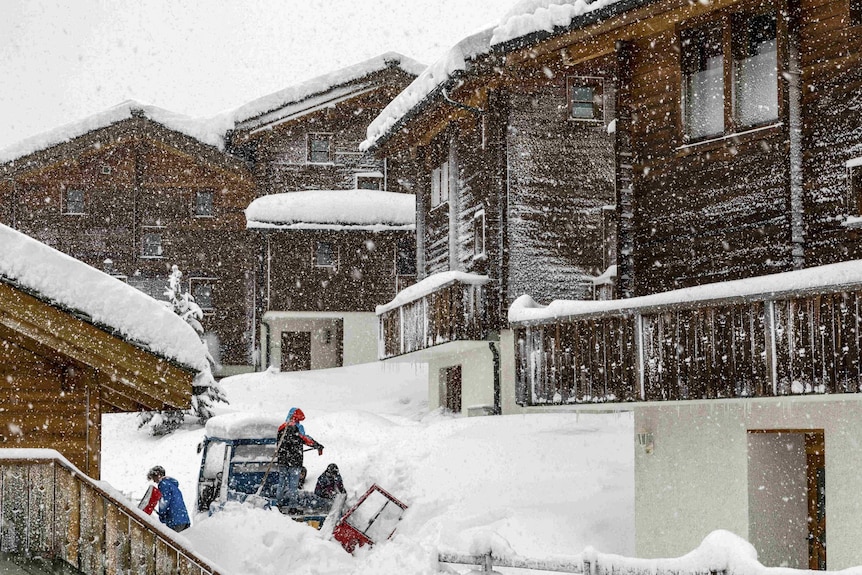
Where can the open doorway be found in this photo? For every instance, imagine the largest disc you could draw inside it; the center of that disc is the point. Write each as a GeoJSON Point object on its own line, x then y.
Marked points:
{"type": "Point", "coordinates": [295, 350]}
{"type": "Point", "coordinates": [787, 497]}
{"type": "Point", "coordinates": [450, 388]}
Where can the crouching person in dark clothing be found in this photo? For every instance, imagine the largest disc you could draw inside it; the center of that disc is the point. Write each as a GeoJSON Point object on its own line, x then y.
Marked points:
{"type": "Point", "coordinates": [171, 507]}
{"type": "Point", "coordinates": [329, 484]}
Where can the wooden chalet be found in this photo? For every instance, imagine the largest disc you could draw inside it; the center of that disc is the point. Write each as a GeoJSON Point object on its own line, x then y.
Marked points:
{"type": "Point", "coordinates": [320, 278]}
{"type": "Point", "coordinates": [134, 191]}
{"type": "Point", "coordinates": [64, 362]}
{"type": "Point", "coordinates": [725, 136]}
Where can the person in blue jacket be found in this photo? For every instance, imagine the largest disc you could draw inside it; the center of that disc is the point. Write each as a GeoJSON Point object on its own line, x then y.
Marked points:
{"type": "Point", "coordinates": [171, 508]}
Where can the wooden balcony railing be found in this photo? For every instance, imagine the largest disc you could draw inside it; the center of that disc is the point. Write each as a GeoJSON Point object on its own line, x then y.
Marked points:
{"type": "Point", "coordinates": [53, 512]}
{"type": "Point", "coordinates": [438, 312]}
{"type": "Point", "coordinates": [789, 334]}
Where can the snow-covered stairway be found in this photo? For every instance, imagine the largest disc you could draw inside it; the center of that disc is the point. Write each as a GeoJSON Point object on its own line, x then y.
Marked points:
{"type": "Point", "coordinates": [51, 511]}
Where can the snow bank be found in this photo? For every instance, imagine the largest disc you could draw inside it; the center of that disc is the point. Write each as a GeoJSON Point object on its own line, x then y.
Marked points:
{"type": "Point", "coordinates": [525, 309]}
{"type": "Point", "coordinates": [323, 84]}
{"type": "Point", "coordinates": [429, 285]}
{"type": "Point", "coordinates": [313, 209]}
{"type": "Point", "coordinates": [207, 131]}
{"type": "Point", "coordinates": [70, 283]}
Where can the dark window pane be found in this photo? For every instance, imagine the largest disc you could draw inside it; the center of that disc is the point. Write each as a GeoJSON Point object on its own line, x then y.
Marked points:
{"type": "Point", "coordinates": [405, 258]}
{"type": "Point", "coordinates": [74, 201]}
{"type": "Point", "coordinates": [203, 294]}
{"type": "Point", "coordinates": [325, 254]}
{"type": "Point", "coordinates": [755, 69]}
{"type": "Point", "coordinates": [151, 244]}
{"type": "Point", "coordinates": [703, 82]}
{"type": "Point", "coordinates": [204, 203]}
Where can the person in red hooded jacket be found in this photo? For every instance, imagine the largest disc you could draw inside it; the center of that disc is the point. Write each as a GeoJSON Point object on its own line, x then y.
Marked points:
{"type": "Point", "coordinates": [291, 441]}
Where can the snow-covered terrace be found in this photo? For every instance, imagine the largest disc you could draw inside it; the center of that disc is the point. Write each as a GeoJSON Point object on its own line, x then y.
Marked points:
{"type": "Point", "coordinates": [527, 22]}
{"type": "Point", "coordinates": [317, 92]}
{"type": "Point", "coordinates": [369, 210]}
{"type": "Point", "coordinates": [207, 131]}
{"type": "Point", "coordinates": [828, 278]}
{"type": "Point", "coordinates": [103, 300]}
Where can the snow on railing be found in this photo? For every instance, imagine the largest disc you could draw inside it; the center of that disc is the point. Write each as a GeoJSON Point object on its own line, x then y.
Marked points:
{"type": "Point", "coordinates": [54, 512]}
{"type": "Point", "coordinates": [720, 553]}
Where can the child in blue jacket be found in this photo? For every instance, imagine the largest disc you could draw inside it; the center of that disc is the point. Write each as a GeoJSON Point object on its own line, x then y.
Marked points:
{"type": "Point", "coordinates": [171, 507]}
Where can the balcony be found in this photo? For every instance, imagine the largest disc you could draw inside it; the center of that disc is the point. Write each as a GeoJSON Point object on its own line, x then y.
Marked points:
{"type": "Point", "coordinates": [442, 308]}
{"type": "Point", "coordinates": [787, 334]}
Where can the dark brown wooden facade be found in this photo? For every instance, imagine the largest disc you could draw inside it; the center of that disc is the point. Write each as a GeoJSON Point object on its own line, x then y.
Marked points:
{"type": "Point", "coordinates": [146, 198]}
{"type": "Point", "coordinates": [313, 144]}
{"type": "Point", "coordinates": [60, 373]}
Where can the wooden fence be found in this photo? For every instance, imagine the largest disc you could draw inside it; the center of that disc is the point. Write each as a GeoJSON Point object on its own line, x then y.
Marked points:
{"type": "Point", "coordinates": [51, 511]}
{"type": "Point", "coordinates": [454, 312]}
{"type": "Point", "coordinates": [764, 346]}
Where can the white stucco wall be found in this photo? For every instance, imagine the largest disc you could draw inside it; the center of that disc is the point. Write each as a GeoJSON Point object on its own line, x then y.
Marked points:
{"type": "Point", "coordinates": [360, 336]}
{"type": "Point", "coordinates": [696, 478]}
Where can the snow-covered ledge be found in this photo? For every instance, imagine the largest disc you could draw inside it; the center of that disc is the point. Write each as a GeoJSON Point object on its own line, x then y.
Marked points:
{"type": "Point", "coordinates": [822, 278]}
{"type": "Point", "coordinates": [429, 285]}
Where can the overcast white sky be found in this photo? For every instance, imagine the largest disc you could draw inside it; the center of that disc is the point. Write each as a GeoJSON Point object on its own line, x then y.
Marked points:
{"type": "Point", "coordinates": [61, 60]}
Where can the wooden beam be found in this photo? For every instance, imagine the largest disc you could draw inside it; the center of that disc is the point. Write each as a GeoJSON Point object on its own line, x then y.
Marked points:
{"type": "Point", "coordinates": [115, 359]}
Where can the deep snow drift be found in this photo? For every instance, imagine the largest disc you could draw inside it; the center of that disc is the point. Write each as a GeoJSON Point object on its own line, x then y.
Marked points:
{"type": "Point", "coordinates": [531, 485]}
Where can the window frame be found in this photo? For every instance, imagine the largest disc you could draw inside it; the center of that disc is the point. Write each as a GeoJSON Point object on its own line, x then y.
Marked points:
{"type": "Point", "coordinates": [197, 281]}
{"type": "Point", "coordinates": [334, 254]}
{"type": "Point", "coordinates": [368, 176]}
{"type": "Point", "coordinates": [66, 203]}
{"type": "Point", "coordinates": [598, 100]}
{"type": "Point", "coordinates": [728, 23]}
{"type": "Point", "coordinates": [197, 204]}
{"type": "Point", "coordinates": [397, 267]}
{"type": "Point", "coordinates": [854, 15]}
{"type": "Point", "coordinates": [311, 137]}
{"type": "Point", "coordinates": [441, 184]}
{"type": "Point", "coordinates": [481, 231]}
{"type": "Point", "coordinates": [152, 231]}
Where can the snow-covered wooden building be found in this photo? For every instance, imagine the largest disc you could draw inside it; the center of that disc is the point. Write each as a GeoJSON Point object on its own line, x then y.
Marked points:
{"type": "Point", "coordinates": [725, 136]}
{"type": "Point", "coordinates": [334, 226]}
{"type": "Point", "coordinates": [76, 343]}
{"type": "Point", "coordinates": [135, 190]}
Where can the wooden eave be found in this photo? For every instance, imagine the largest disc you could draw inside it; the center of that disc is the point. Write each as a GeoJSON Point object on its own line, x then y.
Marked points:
{"type": "Point", "coordinates": [590, 36]}
{"type": "Point", "coordinates": [130, 377]}
{"type": "Point", "coordinates": [125, 132]}
{"type": "Point", "coordinates": [251, 129]}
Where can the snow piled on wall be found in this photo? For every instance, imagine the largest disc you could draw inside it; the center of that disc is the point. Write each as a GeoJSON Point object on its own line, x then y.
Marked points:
{"type": "Point", "coordinates": [429, 285]}
{"type": "Point", "coordinates": [207, 131]}
{"type": "Point", "coordinates": [333, 209]}
{"type": "Point", "coordinates": [66, 282]}
{"type": "Point", "coordinates": [525, 309]}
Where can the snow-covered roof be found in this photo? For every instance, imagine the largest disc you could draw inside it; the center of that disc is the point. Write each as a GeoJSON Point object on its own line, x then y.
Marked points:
{"type": "Point", "coordinates": [289, 101]}
{"type": "Point", "coordinates": [207, 131]}
{"type": "Point", "coordinates": [244, 425]}
{"type": "Point", "coordinates": [429, 285]}
{"type": "Point", "coordinates": [108, 302]}
{"type": "Point", "coordinates": [333, 209]}
{"type": "Point", "coordinates": [525, 310]}
{"type": "Point", "coordinates": [526, 18]}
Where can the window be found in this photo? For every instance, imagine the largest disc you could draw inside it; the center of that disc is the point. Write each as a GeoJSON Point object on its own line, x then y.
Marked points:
{"type": "Point", "coordinates": [479, 233]}
{"type": "Point", "coordinates": [440, 184]}
{"type": "Point", "coordinates": [753, 62]}
{"type": "Point", "coordinates": [405, 257]}
{"type": "Point", "coordinates": [325, 255]}
{"type": "Point", "coordinates": [369, 181]}
{"type": "Point", "coordinates": [586, 99]}
{"type": "Point", "coordinates": [855, 12]}
{"type": "Point", "coordinates": [319, 148]}
{"type": "Point", "coordinates": [203, 203]}
{"type": "Point", "coordinates": [151, 242]}
{"type": "Point", "coordinates": [74, 202]}
{"type": "Point", "coordinates": [202, 291]}
{"type": "Point", "coordinates": [755, 70]}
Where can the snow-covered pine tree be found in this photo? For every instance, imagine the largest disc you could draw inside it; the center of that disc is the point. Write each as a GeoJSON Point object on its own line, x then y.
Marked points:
{"type": "Point", "coordinates": [206, 389]}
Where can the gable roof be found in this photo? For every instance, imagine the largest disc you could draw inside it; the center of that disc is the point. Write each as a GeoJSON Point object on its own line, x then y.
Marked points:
{"type": "Point", "coordinates": [526, 24]}
{"type": "Point", "coordinates": [99, 299]}
{"type": "Point", "coordinates": [320, 91]}
{"type": "Point", "coordinates": [208, 132]}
